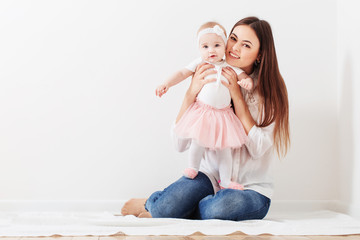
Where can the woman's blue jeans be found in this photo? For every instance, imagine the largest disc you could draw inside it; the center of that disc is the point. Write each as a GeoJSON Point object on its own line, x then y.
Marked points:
{"type": "Point", "coordinates": [195, 199]}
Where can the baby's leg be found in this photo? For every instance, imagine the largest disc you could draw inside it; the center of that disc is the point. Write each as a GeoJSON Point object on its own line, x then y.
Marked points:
{"type": "Point", "coordinates": [225, 170]}
{"type": "Point", "coordinates": [196, 153]}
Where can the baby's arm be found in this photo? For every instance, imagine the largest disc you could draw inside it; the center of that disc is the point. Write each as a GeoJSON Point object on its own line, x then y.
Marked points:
{"type": "Point", "coordinates": [173, 80]}
{"type": "Point", "coordinates": [245, 81]}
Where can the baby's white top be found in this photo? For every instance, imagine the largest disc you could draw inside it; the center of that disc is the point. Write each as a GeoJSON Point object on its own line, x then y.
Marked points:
{"type": "Point", "coordinates": [214, 94]}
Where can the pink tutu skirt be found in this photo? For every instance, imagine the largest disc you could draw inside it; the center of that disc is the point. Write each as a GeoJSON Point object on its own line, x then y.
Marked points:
{"type": "Point", "coordinates": [211, 127]}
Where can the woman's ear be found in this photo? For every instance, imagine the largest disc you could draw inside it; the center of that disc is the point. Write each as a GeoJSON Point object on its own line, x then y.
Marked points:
{"type": "Point", "coordinates": [258, 60]}
{"type": "Point", "coordinates": [258, 57]}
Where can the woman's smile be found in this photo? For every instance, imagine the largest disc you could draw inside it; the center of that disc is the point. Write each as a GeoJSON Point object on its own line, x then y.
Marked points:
{"type": "Point", "coordinates": [233, 55]}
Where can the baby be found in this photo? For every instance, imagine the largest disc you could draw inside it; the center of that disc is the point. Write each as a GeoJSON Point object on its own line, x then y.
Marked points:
{"type": "Point", "coordinates": [210, 121]}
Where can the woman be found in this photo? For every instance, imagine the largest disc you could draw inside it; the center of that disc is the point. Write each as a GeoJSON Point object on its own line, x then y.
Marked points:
{"type": "Point", "coordinates": [264, 113]}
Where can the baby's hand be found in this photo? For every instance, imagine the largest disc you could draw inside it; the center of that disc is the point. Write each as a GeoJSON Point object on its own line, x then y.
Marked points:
{"type": "Point", "coordinates": [161, 90]}
{"type": "Point", "coordinates": [246, 83]}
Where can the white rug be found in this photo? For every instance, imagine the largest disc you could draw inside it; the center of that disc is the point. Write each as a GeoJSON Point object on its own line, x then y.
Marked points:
{"type": "Point", "coordinates": [73, 224]}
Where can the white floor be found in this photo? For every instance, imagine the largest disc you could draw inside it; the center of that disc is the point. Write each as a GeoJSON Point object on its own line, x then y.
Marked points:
{"type": "Point", "coordinates": [66, 224]}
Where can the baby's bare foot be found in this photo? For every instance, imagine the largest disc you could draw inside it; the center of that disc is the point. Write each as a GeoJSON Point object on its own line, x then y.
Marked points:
{"type": "Point", "coordinates": [145, 215]}
{"type": "Point", "coordinates": [134, 206]}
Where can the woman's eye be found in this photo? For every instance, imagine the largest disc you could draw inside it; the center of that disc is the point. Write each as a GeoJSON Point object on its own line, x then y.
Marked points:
{"type": "Point", "coordinates": [246, 45]}
{"type": "Point", "coordinates": [233, 38]}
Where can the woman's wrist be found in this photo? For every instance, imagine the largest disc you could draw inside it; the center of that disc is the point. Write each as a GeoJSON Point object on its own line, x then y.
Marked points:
{"type": "Point", "coordinates": [190, 95]}
{"type": "Point", "coordinates": [243, 113]}
{"type": "Point", "coordinates": [237, 97]}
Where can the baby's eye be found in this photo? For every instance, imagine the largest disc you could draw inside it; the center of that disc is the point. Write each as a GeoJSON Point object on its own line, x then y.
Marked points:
{"type": "Point", "coordinates": [205, 46]}
{"type": "Point", "coordinates": [217, 45]}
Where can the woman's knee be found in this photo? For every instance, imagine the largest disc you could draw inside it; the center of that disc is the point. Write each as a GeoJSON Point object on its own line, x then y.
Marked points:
{"type": "Point", "coordinates": [215, 207]}
{"type": "Point", "coordinates": [164, 211]}
{"type": "Point", "coordinates": [180, 199]}
{"type": "Point", "coordinates": [160, 205]}
{"type": "Point", "coordinates": [229, 204]}
{"type": "Point", "coordinates": [172, 206]}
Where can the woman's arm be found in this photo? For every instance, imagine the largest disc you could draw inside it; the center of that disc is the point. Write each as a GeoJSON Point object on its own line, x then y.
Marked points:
{"type": "Point", "coordinates": [260, 139]}
{"type": "Point", "coordinates": [197, 82]}
{"type": "Point", "coordinates": [240, 106]}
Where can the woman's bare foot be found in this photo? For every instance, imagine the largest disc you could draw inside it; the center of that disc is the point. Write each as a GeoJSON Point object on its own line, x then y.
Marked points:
{"type": "Point", "coordinates": [145, 215]}
{"type": "Point", "coordinates": [134, 206]}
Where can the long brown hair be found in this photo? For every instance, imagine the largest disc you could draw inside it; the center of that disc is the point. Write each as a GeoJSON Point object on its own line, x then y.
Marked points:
{"type": "Point", "coordinates": [271, 85]}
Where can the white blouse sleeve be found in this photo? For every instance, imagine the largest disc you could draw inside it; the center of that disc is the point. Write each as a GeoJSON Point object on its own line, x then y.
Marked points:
{"type": "Point", "coordinates": [260, 140]}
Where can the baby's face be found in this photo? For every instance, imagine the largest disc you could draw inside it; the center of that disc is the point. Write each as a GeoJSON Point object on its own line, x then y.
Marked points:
{"type": "Point", "coordinates": [212, 47]}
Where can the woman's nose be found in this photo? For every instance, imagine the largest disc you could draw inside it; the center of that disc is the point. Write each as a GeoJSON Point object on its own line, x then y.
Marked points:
{"type": "Point", "coordinates": [236, 47]}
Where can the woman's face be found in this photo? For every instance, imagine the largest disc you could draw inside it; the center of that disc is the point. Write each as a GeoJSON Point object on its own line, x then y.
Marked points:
{"type": "Point", "coordinates": [242, 48]}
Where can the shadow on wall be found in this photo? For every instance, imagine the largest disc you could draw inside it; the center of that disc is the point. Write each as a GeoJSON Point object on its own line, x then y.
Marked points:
{"type": "Point", "coordinates": [346, 132]}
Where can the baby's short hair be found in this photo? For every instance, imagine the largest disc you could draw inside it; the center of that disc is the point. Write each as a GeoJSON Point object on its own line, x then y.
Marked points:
{"type": "Point", "coordinates": [211, 25]}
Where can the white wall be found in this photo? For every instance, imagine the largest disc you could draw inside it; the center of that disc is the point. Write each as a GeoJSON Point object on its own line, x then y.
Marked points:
{"type": "Point", "coordinates": [79, 119]}
{"type": "Point", "coordinates": [349, 105]}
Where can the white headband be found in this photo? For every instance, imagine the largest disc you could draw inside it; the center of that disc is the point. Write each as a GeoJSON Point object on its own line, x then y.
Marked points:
{"type": "Point", "coordinates": [216, 29]}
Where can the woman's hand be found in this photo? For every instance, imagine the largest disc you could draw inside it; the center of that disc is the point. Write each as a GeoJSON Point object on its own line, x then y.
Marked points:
{"type": "Point", "coordinates": [197, 82]}
{"type": "Point", "coordinates": [233, 86]}
{"type": "Point", "coordinates": [198, 79]}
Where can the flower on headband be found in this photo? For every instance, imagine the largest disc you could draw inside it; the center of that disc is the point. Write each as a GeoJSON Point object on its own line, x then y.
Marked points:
{"type": "Point", "coordinates": [216, 29]}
